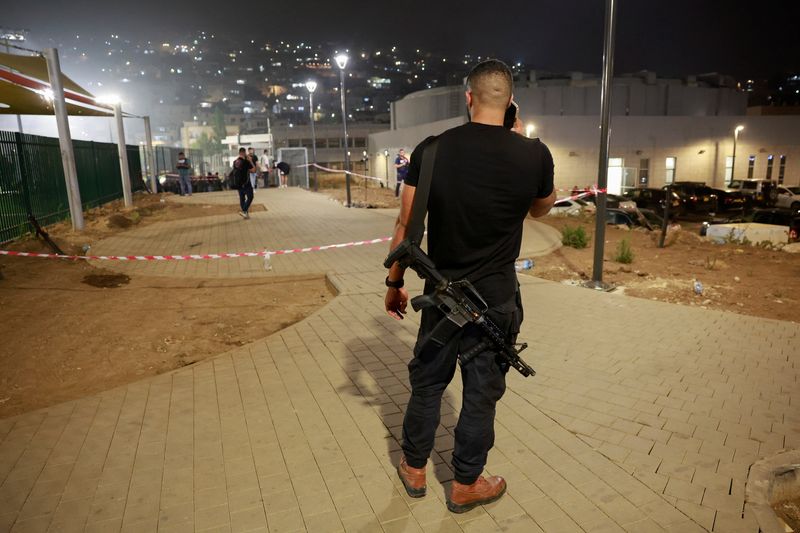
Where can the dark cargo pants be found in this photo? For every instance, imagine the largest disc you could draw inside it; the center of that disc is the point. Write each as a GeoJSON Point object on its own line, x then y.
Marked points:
{"type": "Point", "coordinates": [483, 378]}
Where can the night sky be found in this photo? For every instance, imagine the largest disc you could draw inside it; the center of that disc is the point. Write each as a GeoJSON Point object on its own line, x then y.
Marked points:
{"type": "Point", "coordinates": [674, 37]}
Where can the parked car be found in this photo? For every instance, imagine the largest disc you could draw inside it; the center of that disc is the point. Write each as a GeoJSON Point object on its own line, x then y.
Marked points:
{"type": "Point", "coordinates": [653, 199]}
{"type": "Point", "coordinates": [788, 197]}
{"type": "Point", "coordinates": [696, 198]}
{"type": "Point", "coordinates": [761, 192]}
{"type": "Point", "coordinates": [787, 218]}
{"type": "Point", "coordinates": [731, 200]}
{"type": "Point", "coordinates": [612, 201]}
{"type": "Point", "coordinates": [571, 207]}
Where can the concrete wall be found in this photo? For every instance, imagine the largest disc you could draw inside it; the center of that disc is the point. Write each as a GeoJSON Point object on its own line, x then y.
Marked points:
{"type": "Point", "coordinates": [408, 138]}
{"type": "Point", "coordinates": [427, 106]}
{"type": "Point", "coordinates": [560, 97]}
{"type": "Point", "coordinates": [700, 145]}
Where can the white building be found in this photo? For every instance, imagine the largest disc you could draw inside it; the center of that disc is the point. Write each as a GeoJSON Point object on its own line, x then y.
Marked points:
{"type": "Point", "coordinates": [661, 129]}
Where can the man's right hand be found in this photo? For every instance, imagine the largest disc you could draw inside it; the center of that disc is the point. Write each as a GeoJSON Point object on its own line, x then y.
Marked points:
{"type": "Point", "coordinates": [396, 302]}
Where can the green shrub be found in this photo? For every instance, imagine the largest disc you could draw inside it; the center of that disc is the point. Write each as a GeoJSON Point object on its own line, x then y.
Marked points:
{"type": "Point", "coordinates": [624, 253]}
{"type": "Point", "coordinates": [574, 237]}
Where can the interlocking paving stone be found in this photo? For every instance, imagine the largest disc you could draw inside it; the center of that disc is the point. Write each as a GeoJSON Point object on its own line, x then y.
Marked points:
{"type": "Point", "coordinates": [644, 416]}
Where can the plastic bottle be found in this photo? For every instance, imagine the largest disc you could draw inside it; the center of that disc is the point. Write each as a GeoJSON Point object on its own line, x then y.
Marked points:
{"type": "Point", "coordinates": [698, 287]}
{"type": "Point", "coordinates": [523, 264]}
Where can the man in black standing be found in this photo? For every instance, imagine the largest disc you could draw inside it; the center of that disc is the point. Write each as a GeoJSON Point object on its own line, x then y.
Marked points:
{"type": "Point", "coordinates": [401, 164]}
{"type": "Point", "coordinates": [242, 167]}
{"type": "Point", "coordinates": [486, 180]}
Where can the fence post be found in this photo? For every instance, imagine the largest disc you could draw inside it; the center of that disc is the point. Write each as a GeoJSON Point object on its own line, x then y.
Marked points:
{"type": "Point", "coordinates": [150, 155]}
{"type": "Point", "coordinates": [65, 139]}
{"type": "Point", "coordinates": [123, 156]}
{"type": "Point", "coordinates": [25, 192]}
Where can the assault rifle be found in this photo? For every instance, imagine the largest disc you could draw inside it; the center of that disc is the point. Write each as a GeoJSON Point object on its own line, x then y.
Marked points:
{"type": "Point", "coordinates": [460, 303]}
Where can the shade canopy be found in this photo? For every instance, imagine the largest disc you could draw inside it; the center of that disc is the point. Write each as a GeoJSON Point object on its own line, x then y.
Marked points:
{"type": "Point", "coordinates": [25, 90]}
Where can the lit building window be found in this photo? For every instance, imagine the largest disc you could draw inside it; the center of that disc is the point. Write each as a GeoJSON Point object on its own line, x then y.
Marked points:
{"type": "Point", "coordinates": [671, 163]}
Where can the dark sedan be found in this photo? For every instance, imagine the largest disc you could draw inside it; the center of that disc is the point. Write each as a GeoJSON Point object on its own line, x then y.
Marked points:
{"type": "Point", "coordinates": [653, 199]}
{"type": "Point", "coordinates": [696, 198]}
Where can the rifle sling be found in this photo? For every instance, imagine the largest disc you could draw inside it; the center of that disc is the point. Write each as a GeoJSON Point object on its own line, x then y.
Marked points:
{"type": "Point", "coordinates": [416, 223]}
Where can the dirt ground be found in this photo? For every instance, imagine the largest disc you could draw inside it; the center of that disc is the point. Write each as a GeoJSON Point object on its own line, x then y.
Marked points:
{"type": "Point", "coordinates": [742, 279]}
{"type": "Point", "coordinates": [789, 511]}
{"type": "Point", "coordinates": [57, 346]}
{"type": "Point", "coordinates": [370, 195]}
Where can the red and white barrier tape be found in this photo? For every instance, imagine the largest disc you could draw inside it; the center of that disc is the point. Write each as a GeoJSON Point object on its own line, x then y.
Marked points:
{"type": "Point", "coordinates": [574, 195]}
{"type": "Point", "coordinates": [326, 169]}
{"type": "Point", "coordinates": [194, 257]}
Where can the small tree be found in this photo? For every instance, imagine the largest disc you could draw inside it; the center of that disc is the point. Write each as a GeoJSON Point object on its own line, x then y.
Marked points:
{"type": "Point", "coordinates": [624, 252]}
{"type": "Point", "coordinates": [574, 237]}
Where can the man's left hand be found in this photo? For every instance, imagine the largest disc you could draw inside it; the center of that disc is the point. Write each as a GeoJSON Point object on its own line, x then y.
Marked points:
{"type": "Point", "coordinates": [396, 302]}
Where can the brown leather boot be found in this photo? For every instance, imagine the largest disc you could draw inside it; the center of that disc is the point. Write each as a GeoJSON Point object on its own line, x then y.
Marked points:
{"type": "Point", "coordinates": [483, 491]}
{"type": "Point", "coordinates": [413, 479]}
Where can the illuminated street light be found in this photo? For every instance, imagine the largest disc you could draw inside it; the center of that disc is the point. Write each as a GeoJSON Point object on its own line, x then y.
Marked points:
{"type": "Point", "coordinates": [341, 62]}
{"type": "Point", "coordinates": [311, 86]}
{"type": "Point", "coordinates": [529, 129]}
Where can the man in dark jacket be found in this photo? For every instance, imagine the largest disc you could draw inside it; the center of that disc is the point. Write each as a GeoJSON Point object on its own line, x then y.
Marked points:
{"type": "Point", "coordinates": [242, 167]}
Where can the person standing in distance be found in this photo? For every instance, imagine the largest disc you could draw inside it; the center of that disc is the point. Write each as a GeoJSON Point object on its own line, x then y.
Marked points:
{"type": "Point", "coordinates": [251, 155]}
{"type": "Point", "coordinates": [401, 164]}
{"type": "Point", "coordinates": [184, 166]}
{"type": "Point", "coordinates": [242, 168]}
{"type": "Point", "coordinates": [486, 180]}
{"type": "Point", "coordinates": [264, 164]}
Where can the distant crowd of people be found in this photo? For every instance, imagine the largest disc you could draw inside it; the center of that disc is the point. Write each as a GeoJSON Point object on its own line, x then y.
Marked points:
{"type": "Point", "coordinates": [246, 171]}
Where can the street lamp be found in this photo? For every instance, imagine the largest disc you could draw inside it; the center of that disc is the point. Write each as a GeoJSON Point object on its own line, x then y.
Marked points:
{"type": "Point", "coordinates": [365, 160]}
{"type": "Point", "coordinates": [386, 157]}
{"type": "Point", "coordinates": [529, 129]}
{"type": "Point", "coordinates": [311, 85]}
{"type": "Point", "coordinates": [735, 138]}
{"type": "Point", "coordinates": [341, 62]}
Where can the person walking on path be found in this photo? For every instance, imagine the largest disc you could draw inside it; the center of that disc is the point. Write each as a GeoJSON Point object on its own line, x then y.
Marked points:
{"type": "Point", "coordinates": [401, 164]}
{"type": "Point", "coordinates": [242, 168]}
{"type": "Point", "coordinates": [474, 233]}
{"type": "Point", "coordinates": [184, 167]}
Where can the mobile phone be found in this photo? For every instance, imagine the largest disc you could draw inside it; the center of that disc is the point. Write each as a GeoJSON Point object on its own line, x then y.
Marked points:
{"type": "Point", "coordinates": [511, 115]}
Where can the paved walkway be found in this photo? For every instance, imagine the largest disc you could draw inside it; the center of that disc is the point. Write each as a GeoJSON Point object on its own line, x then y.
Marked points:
{"type": "Point", "coordinates": [643, 417]}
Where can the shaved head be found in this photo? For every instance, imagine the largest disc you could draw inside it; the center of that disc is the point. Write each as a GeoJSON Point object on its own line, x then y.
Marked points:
{"type": "Point", "coordinates": [491, 84]}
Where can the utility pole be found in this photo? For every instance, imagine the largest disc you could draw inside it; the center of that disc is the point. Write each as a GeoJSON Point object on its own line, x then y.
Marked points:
{"type": "Point", "coordinates": [605, 116]}
{"type": "Point", "coordinates": [64, 139]}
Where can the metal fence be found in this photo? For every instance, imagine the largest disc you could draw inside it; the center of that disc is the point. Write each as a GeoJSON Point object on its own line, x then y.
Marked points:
{"type": "Point", "coordinates": [167, 158]}
{"type": "Point", "coordinates": [32, 179]}
{"type": "Point", "coordinates": [298, 165]}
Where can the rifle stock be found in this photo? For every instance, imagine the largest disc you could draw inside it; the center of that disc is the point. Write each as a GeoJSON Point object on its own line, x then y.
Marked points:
{"type": "Point", "coordinates": [459, 301]}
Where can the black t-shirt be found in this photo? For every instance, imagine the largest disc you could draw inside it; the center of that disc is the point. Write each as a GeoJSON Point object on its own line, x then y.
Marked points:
{"type": "Point", "coordinates": [241, 169]}
{"type": "Point", "coordinates": [485, 179]}
{"type": "Point", "coordinates": [284, 167]}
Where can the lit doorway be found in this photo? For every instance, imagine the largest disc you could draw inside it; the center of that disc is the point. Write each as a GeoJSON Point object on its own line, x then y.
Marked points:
{"type": "Point", "coordinates": [614, 175]}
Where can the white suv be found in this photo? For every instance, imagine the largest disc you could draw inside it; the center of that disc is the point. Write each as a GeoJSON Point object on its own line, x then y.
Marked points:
{"type": "Point", "coordinates": [788, 197]}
